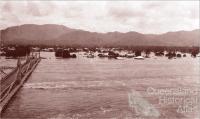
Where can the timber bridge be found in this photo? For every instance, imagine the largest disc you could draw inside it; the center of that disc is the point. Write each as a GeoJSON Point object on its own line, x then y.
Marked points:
{"type": "Point", "coordinates": [13, 81]}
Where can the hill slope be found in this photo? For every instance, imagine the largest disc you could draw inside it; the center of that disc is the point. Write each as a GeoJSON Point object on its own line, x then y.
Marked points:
{"type": "Point", "coordinates": [50, 34]}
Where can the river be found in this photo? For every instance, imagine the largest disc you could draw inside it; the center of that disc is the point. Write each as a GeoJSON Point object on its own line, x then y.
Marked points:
{"type": "Point", "coordinates": [101, 88]}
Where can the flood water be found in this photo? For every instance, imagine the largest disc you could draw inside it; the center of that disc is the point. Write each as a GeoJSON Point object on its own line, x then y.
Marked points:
{"type": "Point", "coordinates": [101, 88]}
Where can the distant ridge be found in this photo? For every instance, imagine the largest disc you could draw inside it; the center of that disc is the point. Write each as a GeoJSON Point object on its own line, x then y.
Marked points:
{"type": "Point", "coordinates": [51, 34]}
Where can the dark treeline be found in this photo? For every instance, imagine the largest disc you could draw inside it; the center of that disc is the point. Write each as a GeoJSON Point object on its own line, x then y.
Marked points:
{"type": "Point", "coordinates": [65, 53]}
{"type": "Point", "coordinates": [22, 50]}
{"type": "Point", "coordinates": [16, 51]}
{"type": "Point", "coordinates": [185, 49]}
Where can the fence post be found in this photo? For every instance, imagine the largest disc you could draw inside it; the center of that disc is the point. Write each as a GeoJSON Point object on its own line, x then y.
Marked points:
{"type": "Point", "coordinates": [19, 75]}
{"type": "Point", "coordinates": [39, 55]}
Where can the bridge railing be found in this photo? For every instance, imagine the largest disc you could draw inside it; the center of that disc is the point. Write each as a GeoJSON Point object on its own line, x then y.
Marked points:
{"type": "Point", "coordinates": [16, 78]}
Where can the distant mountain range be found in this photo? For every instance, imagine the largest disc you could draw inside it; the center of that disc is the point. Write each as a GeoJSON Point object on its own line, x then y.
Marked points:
{"type": "Point", "coordinates": [50, 34]}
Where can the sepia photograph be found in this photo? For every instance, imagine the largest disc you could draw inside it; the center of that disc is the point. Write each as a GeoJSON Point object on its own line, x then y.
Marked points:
{"type": "Point", "coordinates": [101, 59]}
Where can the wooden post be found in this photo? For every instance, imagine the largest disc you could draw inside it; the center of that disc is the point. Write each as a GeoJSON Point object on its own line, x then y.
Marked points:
{"type": "Point", "coordinates": [19, 75]}
{"type": "Point", "coordinates": [39, 54]}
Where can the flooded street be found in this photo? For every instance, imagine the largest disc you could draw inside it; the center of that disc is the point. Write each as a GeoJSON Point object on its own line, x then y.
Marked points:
{"type": "Point", "coordinates": [101, 88]}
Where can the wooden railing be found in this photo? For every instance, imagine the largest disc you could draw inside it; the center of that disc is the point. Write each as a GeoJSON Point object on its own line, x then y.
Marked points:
{"type": "Point", "coordinates": [11, 83]}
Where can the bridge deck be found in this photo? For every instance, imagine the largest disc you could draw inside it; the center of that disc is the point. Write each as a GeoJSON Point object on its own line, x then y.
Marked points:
{"type": "Point", "coordinates": [14, 80]}
{"type": "Point", "coordinates": [6, 82]}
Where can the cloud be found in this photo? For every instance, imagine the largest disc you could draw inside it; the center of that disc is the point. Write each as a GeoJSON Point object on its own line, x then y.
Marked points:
{"type": "Point", "coordinates": [124, 14]}
{"type": "Point", "coordinates": [33, 9]}
{"type": "Point", "coordinates": [73, 12]}
{"type": "Point", "coordinates": [104, 16]}
{"type": "Point", "coordinates": [7, 7]}
{"type": "Point", "coordinates": [39, 8]}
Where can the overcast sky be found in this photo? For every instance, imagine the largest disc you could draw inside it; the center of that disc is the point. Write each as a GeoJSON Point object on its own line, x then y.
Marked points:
{"type": "Point", "coordinates": [104, 16]}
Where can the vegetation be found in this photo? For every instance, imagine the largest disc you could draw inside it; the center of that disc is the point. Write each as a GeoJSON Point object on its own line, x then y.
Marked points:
{"type": "Point", "coordinates": [64, 51]}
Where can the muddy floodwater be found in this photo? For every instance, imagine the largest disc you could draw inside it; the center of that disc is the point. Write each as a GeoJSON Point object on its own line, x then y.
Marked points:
{"type": "Point", "coordinates": [101, 88]}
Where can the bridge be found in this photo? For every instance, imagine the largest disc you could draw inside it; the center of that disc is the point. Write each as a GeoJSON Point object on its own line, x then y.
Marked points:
{"type": "Point", "coordinates": [13, 81]}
